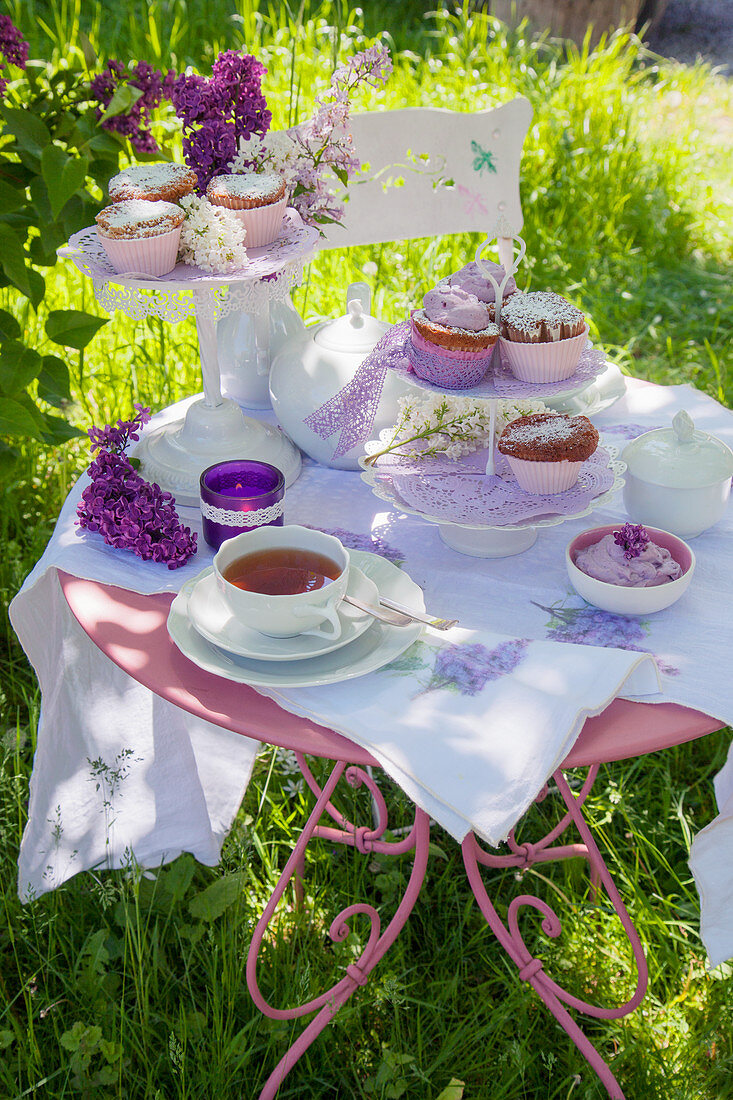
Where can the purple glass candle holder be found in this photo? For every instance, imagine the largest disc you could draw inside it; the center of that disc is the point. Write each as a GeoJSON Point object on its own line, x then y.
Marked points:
{"type": "Point", "coordinates": [238, 496]}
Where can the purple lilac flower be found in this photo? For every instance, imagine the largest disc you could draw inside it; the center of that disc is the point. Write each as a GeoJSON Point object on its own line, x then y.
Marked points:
{"type": "Point", "coordinates": [127, 511]}
{"type": "Point", "coordinates": [13, 47]}
{"type": "Point", "coordinates": [218, 111]}
{"type": "Point", "coordinates": [326, 148]}
{"type": "Point", "coordinates": [135, 123]}
{"type": "Point", "coordinates": [633, 538]}
{"type": "Point", "coordinates": [469, 667]}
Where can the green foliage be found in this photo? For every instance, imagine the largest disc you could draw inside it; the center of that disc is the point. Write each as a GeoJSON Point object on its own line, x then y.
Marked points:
{"type": "Point", "coordinates": [55, 162]}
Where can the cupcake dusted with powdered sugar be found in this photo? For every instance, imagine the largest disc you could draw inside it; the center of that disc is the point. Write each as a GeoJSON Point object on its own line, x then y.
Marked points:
{"type": "Point", "coordinates": [257, 198]}
{"type": "Point", "coordinates": [164, 181]}
{"type": "Point", "coordinates": [141, 237]}
{"type": "Point", "coordinates": [546, 450]}
{"type": "Point", "coordinates": [246, 190]}
{"type": "Point", "coordinates": [540, 317]}
{"type": "Point", "coordinates": [542, 336]}
{"type": "Point", "coordinates": [138, 218]}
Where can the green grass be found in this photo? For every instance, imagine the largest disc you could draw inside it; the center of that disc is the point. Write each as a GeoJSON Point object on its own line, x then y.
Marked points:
{"type": "Point", "coordinates": [626, 195]}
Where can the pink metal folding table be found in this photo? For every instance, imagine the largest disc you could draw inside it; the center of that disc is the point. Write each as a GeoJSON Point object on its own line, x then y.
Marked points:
{"type": "Point", "coordinates": [130, 629]}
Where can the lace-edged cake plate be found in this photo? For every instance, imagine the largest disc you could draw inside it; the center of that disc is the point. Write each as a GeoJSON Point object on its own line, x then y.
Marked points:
{"type": "Point", "coordinates": [213, 429]}
{"type": "Point", "coordinates": [499, 382]}
{"type": "Point", "coordinates": [486, 516]}
{"type": "Point", "coordinates": [271, 273]}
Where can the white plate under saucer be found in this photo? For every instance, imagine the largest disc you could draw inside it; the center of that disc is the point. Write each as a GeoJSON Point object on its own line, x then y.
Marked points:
{"type": "Point", "coordinates": [216, 622]}
{"type": "Point", "coordinates": [377, 646]}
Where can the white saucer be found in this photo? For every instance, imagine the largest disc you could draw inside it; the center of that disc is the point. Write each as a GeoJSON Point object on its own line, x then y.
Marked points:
{"type": "Point", "coordinates": [377, 646]}
{"type": "Point", "coordinates": [217, 623]}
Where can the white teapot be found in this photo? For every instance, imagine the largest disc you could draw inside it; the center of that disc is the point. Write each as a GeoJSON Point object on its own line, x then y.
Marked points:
{"type": "Point", "coordinates": [317, 363]}
{"type": "Point", "coordinates": [677, 478]}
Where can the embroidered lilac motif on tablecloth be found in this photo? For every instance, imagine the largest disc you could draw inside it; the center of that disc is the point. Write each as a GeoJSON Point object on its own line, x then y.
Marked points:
{"type": "Point", "coordinates": [588, 625]}
{"type": "Point", "coordinates": [465, 668]}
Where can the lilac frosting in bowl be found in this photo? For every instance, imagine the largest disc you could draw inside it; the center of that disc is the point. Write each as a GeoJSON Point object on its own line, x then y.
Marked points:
{"type": "Point", "coordinates": [639, 586]}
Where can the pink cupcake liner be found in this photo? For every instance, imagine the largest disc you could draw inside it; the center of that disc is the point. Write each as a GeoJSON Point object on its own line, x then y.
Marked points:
{"type": "Point", "coordinates": [455, 370]}
{"type": "Point", "coordinates": [143, 255]}
{"type": "Point", "coordinates": [545, 362]}
{"type": "Point", "coordinates": [262, 223]}
{"type": "Point", "coordinates": [447, 353]}
{"type": "Point", "coordinates": [540, 478]}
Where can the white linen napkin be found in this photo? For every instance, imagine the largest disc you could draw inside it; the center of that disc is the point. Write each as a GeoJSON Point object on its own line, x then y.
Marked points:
{"type": "Point", "coordinates": [472, 726]}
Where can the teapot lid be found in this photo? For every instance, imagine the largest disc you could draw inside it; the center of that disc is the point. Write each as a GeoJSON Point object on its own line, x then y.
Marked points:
{"type": "Point", "coordinates": [357, 331]}
{"type": "Point", "coordinates": [680, 457]}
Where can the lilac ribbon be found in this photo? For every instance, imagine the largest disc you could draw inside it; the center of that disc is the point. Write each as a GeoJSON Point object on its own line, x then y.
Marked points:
{"type": "Point", "coordinates": [352, 410]}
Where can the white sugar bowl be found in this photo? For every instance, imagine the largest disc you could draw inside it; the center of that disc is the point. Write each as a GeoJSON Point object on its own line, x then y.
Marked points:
{"type": "Point", "coordinates": [677, 478]}
{"type": "Point", "coordinates": [315, 364]}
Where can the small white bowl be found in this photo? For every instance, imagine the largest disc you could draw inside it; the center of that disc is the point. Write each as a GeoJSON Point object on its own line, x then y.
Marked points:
{"type": "Point", "coordinates": [630, 601]}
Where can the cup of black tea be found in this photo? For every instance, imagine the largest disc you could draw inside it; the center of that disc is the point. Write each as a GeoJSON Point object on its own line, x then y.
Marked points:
{"type": "Point", "coordinates": [284, 581]}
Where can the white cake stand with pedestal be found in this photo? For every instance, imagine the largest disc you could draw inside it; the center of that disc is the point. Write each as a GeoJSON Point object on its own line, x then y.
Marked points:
{"type": "Point", "coordinates": [214, 428]}
{"type": "Point", "coordinates": [485, 516]}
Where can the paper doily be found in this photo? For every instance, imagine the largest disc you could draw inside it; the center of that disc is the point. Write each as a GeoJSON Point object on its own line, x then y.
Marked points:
{"type": "Point", "coordinates": [441, 491]}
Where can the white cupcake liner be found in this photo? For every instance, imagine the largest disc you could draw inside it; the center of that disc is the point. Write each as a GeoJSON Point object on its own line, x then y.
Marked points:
{"type": "Point", "coordinates": [540, 478]}
{"type": "Point", "coordinates": [262, 223]}
{"type": "Point", "coordinates": [143, 255]}
{"type": "Point", "coordinates": [552, 361]}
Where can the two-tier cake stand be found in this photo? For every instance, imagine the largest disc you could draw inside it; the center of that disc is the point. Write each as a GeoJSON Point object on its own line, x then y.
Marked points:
{"type": "Point", "coordinates": [213, 428]}
{"type": "Point", "coordinates": [475, 501]}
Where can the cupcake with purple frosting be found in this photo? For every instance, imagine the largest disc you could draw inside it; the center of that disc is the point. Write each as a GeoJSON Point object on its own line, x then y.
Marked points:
{"type": "Point", "coordinates": [452, 338]}
{"type": "Point", "coordinates": [471, 279]}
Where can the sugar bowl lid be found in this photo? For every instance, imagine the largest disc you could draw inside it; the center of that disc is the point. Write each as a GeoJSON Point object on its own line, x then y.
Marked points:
{"type": "Point", "coordinates": [357, 331]}
{"type": "Point", "coordinates": [680, 457]}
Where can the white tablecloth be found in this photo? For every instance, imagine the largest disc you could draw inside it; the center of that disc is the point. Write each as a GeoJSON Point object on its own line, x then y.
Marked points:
{"type": "Point", "coordinates": [109, 753]}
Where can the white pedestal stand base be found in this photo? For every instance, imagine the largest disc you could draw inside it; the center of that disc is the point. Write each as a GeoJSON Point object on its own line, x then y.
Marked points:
{"type": "Point", "coordinates": [487, 542]}
{"type": "Point", "coordinates": [175, 455]}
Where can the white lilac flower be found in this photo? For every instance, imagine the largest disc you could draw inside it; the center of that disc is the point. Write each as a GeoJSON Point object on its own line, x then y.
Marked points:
{"type": "Point", "coordinates": [451, 425]}
{"type": "Point", "coordinates": [212, 237]}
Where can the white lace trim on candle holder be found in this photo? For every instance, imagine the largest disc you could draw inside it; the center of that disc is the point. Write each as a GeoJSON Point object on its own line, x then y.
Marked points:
{"type": "Point", "coordinates": [229, 518]}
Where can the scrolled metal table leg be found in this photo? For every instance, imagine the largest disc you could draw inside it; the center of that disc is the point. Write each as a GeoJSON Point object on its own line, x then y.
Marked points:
{"type": "Point", "coordinates": [380, 940]}
{"type": "Point", "coordinates": [530, 968]}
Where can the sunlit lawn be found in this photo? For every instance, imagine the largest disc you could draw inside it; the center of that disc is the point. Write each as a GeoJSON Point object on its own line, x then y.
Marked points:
{"type": "Point", "coordinates": [626, 196]}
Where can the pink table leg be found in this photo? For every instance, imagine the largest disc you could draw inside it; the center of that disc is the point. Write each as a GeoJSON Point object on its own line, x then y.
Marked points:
{"type": "Point", "coordinates": [365, 839]}
{"type": "Point", "coordinates": [509, 936]}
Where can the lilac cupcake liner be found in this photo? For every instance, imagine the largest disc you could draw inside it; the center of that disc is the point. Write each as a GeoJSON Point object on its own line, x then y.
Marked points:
{"type": "Point", "coordinates": [155, 255]}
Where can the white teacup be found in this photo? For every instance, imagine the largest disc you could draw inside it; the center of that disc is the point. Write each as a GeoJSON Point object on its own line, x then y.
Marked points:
{"type": "Point", "coordinates": [284, 616]}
